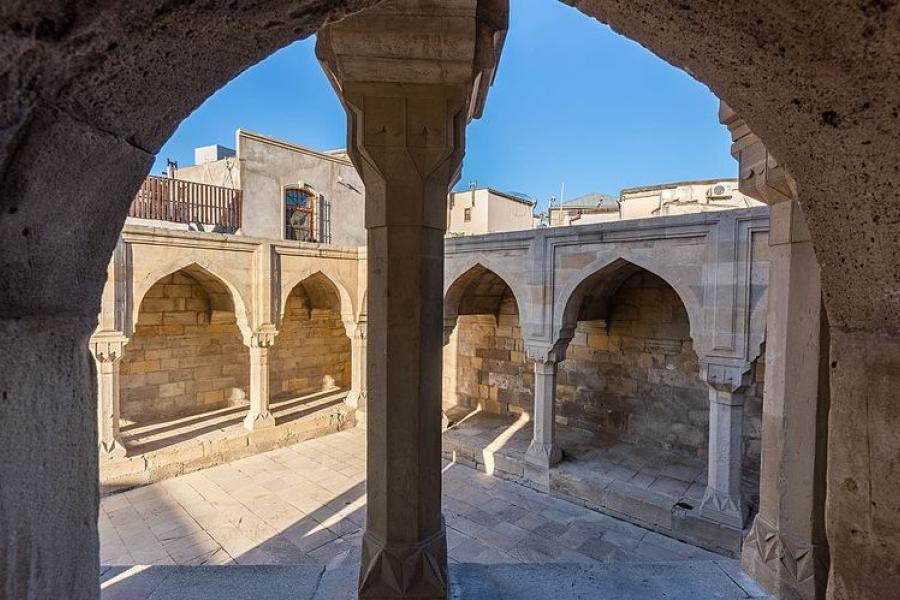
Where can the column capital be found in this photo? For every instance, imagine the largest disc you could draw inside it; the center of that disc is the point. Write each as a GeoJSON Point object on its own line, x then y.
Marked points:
{"type": "Point", "coordinates": [761, 176]}
{"type": "Point", "coordinates": [358, 330]}
{"type": "Point", "coordinates": [725, 376]}
{"type": "Point", "coordinates": [263, 337]}
{"type": "Point", "coordinates": [411, 74]}
{"type": "Point", "coordinates": [108, 347]}
{"type": "Point", "coordinates": [544, 352]}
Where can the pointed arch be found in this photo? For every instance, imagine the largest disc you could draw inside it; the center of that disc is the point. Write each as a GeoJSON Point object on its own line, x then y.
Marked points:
{"type": "Point", "coordinates": [224, 295]}
{"type": "Point", "coordinates": [610, 275]}
{"type": "Point", "coordinates": [324, 277]}
{"type": "Point", "coordinates": [477, 290]}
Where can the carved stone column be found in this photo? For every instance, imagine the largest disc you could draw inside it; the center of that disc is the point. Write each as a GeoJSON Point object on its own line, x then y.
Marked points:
{"type": "Point", "coordinates": [107, 351]}
{"type": "Point", "coordinates": [358, 396]}
{"type": "Point", "coordinates": [259, 416]}
{"type": "Point", "coordinates": [543, 452]}
{"type": "Point", "coordinates": [723, 501]}
{"type": "Point", "coordinates": [410, 74]}
{"type": "Point", "coordinates": [786, 550]}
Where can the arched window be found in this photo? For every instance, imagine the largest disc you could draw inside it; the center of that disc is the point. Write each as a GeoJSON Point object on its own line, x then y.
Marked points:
{"type": "Point", "coordinates": [299, 215]}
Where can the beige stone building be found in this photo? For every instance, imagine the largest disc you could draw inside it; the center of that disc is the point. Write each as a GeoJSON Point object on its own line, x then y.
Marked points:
{"type": "Point", "coordinates": [289, 192]}
{"type": "Point", "coordinates": [90, 97]}
{"type": "Point", "coordinates": [484, 210]}
{"type": "Point", "coordinates": [652, 201]}
{"type": "Point", "coordinates": [682, 198]}
{"type": "Point", "coordinates": [583, 210]}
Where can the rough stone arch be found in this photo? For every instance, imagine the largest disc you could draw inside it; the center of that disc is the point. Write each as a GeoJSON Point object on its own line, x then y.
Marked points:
{"type": "Point", "coordinates": [88, 97]}
{"type": "Point", "coordinates": [611, 274]}
{"type": "Point", "coordinates": [207, 276]}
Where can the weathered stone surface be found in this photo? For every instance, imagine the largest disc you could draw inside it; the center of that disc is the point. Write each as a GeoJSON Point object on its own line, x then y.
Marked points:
{"type": "Point", "coordinates": [49, 436]}
{"type": "Point", "coordinates": [88, 93]}
{"type": "Point", "coordinates": [862, 512]}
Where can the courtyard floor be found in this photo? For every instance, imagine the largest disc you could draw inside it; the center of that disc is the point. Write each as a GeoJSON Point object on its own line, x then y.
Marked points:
{"type": "Point", "coordinates": [303, 507]}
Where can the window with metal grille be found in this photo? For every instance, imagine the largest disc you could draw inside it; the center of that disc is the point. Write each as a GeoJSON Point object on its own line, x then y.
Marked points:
{"type": "Point", "coordinates": [299, 216]}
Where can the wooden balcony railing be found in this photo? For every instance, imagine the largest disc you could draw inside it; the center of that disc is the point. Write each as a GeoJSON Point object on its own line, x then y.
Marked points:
{"type": "Point", "coordinates": [168, 199]}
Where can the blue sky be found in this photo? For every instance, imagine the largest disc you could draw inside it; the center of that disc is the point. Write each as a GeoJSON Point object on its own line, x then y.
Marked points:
{"type": "Point", "coordinates": [573, 103]}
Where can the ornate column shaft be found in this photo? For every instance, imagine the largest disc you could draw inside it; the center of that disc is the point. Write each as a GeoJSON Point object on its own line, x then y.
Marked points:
{"type": "Point", "coordinates": [358, 396]}
{"type": "Point", "coordinates": [723, 501]}
{"type": "Point", "coordinates": [543, 452]}
{"type": "Point", "coordinates": [107, 351]}
{"type": "Point", "coordinates": [786, 550]}
{"type": "Point", "coordinates": [410, 74]}
{"type": "Point", "coordinates": [259, 416]}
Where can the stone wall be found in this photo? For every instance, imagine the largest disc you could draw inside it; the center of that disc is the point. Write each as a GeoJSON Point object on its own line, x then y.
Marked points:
{"type": "Point", "coordinates": [635, 375]}
{"type": "Point", "coordinates": [184, 357]}
{"type": "Point", "coordinates": [312, 350]}
{"type": "Point", "coordinates": [491, 370]}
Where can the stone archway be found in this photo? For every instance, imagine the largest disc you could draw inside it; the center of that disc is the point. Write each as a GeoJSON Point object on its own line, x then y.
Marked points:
{"type": "Point", "coordinates": [311, 353]}
{"type": "Point", "coordinates": [186, 355]}
{"type": "Point", "coordinates": [89, 96]}
{"type": "Point", "coordinates": [484, 352]}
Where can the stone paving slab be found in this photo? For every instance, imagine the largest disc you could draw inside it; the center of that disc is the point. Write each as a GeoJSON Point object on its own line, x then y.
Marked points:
{"type": "Point", "coordinates": [645, 486]}
{"type": "Point", "coordinates": [305, 504]}
{"type": "Point", "coordinates": [697, 580]}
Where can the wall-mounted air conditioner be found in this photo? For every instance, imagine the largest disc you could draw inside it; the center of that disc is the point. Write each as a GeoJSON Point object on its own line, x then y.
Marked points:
{"type": "Point", "coordinates": [719, 190]}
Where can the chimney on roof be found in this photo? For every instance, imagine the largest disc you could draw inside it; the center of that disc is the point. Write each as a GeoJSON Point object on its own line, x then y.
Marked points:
{"type": "Point", "coordinates": [171, 167]}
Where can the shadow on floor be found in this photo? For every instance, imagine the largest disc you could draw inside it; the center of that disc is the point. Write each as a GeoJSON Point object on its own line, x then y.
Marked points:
{"type": "Point", "coordinates": [701, 580]}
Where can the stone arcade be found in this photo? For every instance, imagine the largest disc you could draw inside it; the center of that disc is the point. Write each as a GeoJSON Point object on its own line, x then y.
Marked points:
{"type": "Point", "coordinates": [88, 96]}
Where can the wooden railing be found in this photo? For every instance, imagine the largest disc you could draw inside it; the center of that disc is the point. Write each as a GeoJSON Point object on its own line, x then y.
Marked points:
{"type": "Point", "coordinates": [168, 199]}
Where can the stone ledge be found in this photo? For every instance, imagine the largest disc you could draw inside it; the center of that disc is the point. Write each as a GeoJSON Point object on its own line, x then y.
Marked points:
{"type": "Point", "coordinates": [233, 443]}
{"type": "Point", "coordinates": [585, 483]}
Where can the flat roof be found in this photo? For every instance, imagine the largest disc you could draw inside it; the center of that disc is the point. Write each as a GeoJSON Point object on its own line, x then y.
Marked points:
{"type": "Point", "coordinates": [334, 155]}
{"type": "Point", "coordinates": [497, 192]}
{"type": "Point", "coordinates": [663, 186]}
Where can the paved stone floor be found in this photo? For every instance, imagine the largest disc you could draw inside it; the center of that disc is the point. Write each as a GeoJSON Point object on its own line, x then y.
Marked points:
{"type": "Point", "coordinates": [303, 506]}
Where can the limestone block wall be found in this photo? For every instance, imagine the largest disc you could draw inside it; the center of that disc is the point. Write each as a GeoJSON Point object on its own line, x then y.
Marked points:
{"type": "Point", "coordinates": [184, 357]}
{"type": "Point", "coordinates": [635, 375]}
{"type": "Point", "coordinates": [312, 350]}
{"type": "Point", "coordinates": [492, 372]}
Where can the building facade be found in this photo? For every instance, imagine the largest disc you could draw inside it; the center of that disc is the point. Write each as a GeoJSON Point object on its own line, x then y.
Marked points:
{"type": "Point", "coordinates": [485, 210]}
{"type": "Point", "coordinates": [289, 192]}
{"type": "Point", "coordinates": [659, 200]}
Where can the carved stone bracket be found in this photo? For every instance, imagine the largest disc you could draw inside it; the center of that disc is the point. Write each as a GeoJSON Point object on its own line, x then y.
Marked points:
{"type": "Point", "coordinates": [760, 175]}
{"type": "Point", "coordinates": [547, 353]}
{"type": "Point", "coordinates": [729, 377]}
{"type": "Point", "coordinates": [263, 337]}
{"type": "Point", "coordinates": [108, 348]}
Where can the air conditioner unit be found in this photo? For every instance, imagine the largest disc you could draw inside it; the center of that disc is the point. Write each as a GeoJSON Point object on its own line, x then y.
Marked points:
{"type": "Point", "coordinates": [719, 190]}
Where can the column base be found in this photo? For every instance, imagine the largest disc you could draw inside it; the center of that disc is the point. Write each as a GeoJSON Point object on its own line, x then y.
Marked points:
{"type": "Point", "coordinates": [785, 568]}
{"type": "Point", "coordinates": [723, 508]}
{"type": "Point", "coordinates": [392, 571]}
{"type": "Point", "coordinates": [257, 421]}
{"type": "Point", "coordinates": [538, 460]}
{"type": "Point", "coordinates": [112, 450]}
